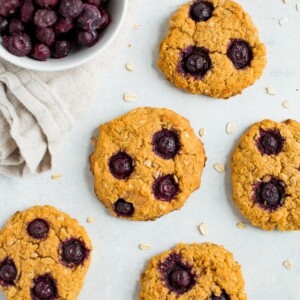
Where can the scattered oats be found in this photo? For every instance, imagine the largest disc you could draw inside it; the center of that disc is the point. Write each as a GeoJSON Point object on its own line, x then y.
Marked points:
{"type": "Point", "coordinates": [283, 21]}
{"type": "Point", "coordinates": [270, 91]}
{"type": "Point", "coordinates": [287, 264]}
{"type": "Point", "coordinates": [230, 127]}
{"type": "Point", "coordinates": [94, 141]}
{"type": "Point", "coordinates": [287, 104]}
{"type": "Point", "coordinates": [148, 163]}
{"type": "Point", "coordinates": [55, 176]}
{"type": "Point", "coordinates": [128, 97]}
{"type": "Point", "coordinates": [186, 134]}
{"type": "Point", "coordinates": [130, 67]}
{"type": "Point", "coordinates": [129, 45]}
{"type": "Point", "coordinates": [91, 220]}
{"type": "Point", "coordinates": [297, 7]}
{"type": "Point", "coordinates": [157, 174]}
{"type": "Point", "coordinates": [144, 246]}
{"type": "Point", "coordinates": [203, 229]}
{"type": "Point", "coordinates": [240, 225]}
{"type": "Point", "coordinates": [136, 26]}
{"type": "Point", "coordinates": [202, 132]}
{"type": "Point", "coordinates": [175, 178]}
{"type": "Point", "coordinates": [219, 167]}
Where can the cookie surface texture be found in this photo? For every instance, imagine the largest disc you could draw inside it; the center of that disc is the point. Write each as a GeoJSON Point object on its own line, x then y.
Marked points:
{"type": "Point", "coordinates": [212, 48]}
{"type": "Point", "coordinates": [266, 175]}
{"type": "Point", "coordinates": [44, 254]}
{"type": "Point", "coordinates": [193, 272]}
{"type": "Point", "coordinates": [146, 163]}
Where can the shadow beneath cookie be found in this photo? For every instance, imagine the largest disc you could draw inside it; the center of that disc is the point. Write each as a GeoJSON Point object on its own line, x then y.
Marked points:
{"type": "Point", "coordinates": [137, 284]}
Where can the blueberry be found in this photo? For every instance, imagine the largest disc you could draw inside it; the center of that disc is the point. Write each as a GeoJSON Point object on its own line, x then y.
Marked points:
{"type": "Point", "coordinates": [47, 3]}
{"type": "Point", "coordinates": [9, 7]}
{"type": "Point", "coordinates": [45, 18]}
{"type": "Point", "coordinates": [201, 11]}
{"type": "Point", "coordinates": [270, 141]}
{"type": "Point", "coordinates": [180, 278]}
{"type": "Point", "coordinates": [14, 26]}
{"type": "Point", "coordinates": [8, 272]}
{"type": "Point", "coordinates": [165, 188]}
{"type": "Point", "coordinates": [240, 53]}
{"type": "Point", "coordinates": [63, 25]}
{"type": "Point", "coordinates": [70, 8]}
{"type": "Point", "coordinates": [45, 35]}
{"type": "Point", "coordinates": [27, 11]}
{"type": "Point", "coordinates": [90, 18]}
{"type": "Point", "coordinates": [18, 44]}
{"type": "Point", "coordinates": [87, 38]}
{"type": "Point", "coordinates": [121, 165]}
{"type": "Point", "coordinates": [166, 143]}
{"type": "Point", "coordinates": [44, 287]}
{"type": "Point", "coordinates": [60, 49]}
{"type": "Point", "coordinates": [123, 208]}
{"type": "Point", "coordinates": [73, 252]}
{"type": "Point", "coordinates": [38, 229]}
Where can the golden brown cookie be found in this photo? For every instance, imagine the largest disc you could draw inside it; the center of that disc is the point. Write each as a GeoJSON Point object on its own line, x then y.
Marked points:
{"type": "Point", "coordinates": [266, 175]}
{"type": "Point", "coordinates": [212, 48]}
{"type": "Point", "coordinates": [44, 254]}
{"type": "Point", "coordinates": [146, 163]}
{"type": "Point", "coordinates": [193, 272]}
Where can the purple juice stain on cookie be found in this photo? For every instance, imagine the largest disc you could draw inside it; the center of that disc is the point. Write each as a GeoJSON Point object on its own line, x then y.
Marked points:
{"type": "Point", "coordinates": [165, 188]}
{"type": "Point", "coordinates": [223, 296]}
{"type": "Point", "coordinates": [8, 272]}
{"type": "Point", "coordinates": [123, 208]}
{"type": "Point", "coordinates": [38, 229]}
{"type": "Point", "coordinates": [44, 287]}
{"type": "Point", "coordinates": [121, 165]}
{"type": "Point", "coordinates": [240, 53]}
{"type": "Point", "coordinates": [176, 274]}
{"type": "Point", "coordinates": [269, 194]}
{"type": "Point", "coordinates": [166, 143]}
{"type": "Point", "coordinates": [73, 252]}
{"type": "Point", "coordinates": [201, 11]}
{"type": "Point", "coordinates": [195, 61]}
{"type": "Point", "coordinates": [270, 141]}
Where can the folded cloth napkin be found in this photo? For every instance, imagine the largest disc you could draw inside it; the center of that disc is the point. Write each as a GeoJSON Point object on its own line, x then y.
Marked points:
{"type": "Point", "coordinates": [38, 109]}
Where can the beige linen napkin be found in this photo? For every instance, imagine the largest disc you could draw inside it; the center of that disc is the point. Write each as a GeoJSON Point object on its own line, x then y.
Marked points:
{"type": "Point", "coordinates": [38, 109]}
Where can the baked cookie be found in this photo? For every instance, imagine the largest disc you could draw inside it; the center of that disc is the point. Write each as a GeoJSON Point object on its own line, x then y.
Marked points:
{"type": "Point", "coordinates": [266, 175]}
{"type": "Point", "coordinates": [146, 163]}
{"type": "Point", "coordinates": [212, 48]}
{"type": "Point", "coordinates": [44, 254]}
{"type": "Point", "coordinates": [193, 272]}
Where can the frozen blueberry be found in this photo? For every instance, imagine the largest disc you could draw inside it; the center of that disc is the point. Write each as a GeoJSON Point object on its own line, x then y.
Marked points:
{"type": "Point", "coordinates": [87, 38]}
{"type": "Point", "coordinates": [45, 35]}
{"type": "Point", "coordinates": [177, 275]}
{"type": "Point", "coordinates": [27, 11]}
{"type": "Point", "coordinates": [63, 25]}
{"type": "Point", "coordinates": [18, 44]}
{"type": "Point", "coordinates": [73, 252]}
{"type": "Point", "coordinates": [166, 143]}
{"type": "Point", "coordinates": [90, 18]}
{"type": "Point", "coordinates": [40, 52]}
{"type": "Point", "coordinates": [201, 11]}
{"type": "Point", "coordinates": [60, 49]}
{"type": "Point", "coordinates": [123, 208]}
{"type": "Point", "coordinates": [38, 229]}
{"type": "Point", "coordinates": [3, 24]}
{"type": "Point", "coordinates": [165, 188]}
{"type": "Point", "coordinates": [223, 296]}
{"type": "Point", "coordinates": [47, 3]}
{"type": "Point", "coordinates": [44, 287]}
{"type": "Point", "coordinates": [240, 53]}
{"type": "Point", "coordinates": [121, 165]}
{"type": "Point", "coordinates": [270, 141]}
{"type": "Point", "coordinates": [9, 7]}
{"type": "Point", "coordinates": [14, 26]}
{"type": "Point", "coordinates": [93, 2]}
{"type": "Point", "coordinates": [105, 18]}
{"type": "Point", "coordinates": [8, 272]}
{"type": "Point", "coordinates": [70, 8]}
{"type": "Point", "coordinates": [45, 18]}
{"type": "Point", "coordinates": [270, 194]}
{"type": "Point", "coordinates": [196, 62]}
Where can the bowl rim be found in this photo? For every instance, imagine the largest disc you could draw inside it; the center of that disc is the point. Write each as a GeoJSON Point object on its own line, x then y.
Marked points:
{"type": "Point", "coordinates": [40, 66]}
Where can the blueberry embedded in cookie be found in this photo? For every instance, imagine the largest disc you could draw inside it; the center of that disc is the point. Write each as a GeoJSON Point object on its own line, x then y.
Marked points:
{"type": "Point", "coordinates": [146, 163]}
{"type": "Point", "coordinates": [55, 256]}
{"type": "Point", "coordinates": [212, 48]}
{"type": "Point", "coordinates": [266, 177]}
{"type": "Point", "coordinates": [193, 272]}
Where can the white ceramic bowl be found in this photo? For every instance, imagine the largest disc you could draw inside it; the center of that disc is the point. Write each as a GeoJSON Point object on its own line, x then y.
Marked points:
{"type": "Point", "coordinates": [117, 9]}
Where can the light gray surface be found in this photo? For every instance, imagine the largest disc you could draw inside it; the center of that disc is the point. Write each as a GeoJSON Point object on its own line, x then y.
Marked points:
{"type": "Point", "coordinates": [117, 261]}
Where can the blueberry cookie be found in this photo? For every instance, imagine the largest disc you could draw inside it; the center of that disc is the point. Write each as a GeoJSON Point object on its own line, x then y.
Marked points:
{"type": "Point", "coordinates": [193, 272]}
{"type": "Point", "coordinates": [266, 175]}
{"type": "Point", "coordinates": [44, 254]}
{"type": "Point", "coordinates": [212, 48]}
{"type": "Point", "coordinates": [146, 163]}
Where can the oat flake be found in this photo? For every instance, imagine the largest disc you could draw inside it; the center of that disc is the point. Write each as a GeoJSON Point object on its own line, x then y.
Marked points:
{"type": "Point", "coordinates": [219, 167]}
{"type": "Point", "coordinates": [203, 229]}
{"type": "Point", "coordinates": [144, 246]}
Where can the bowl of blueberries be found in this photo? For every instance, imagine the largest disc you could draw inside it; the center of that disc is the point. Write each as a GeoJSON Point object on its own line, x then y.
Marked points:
{"type": "Point", "coordinates": [55, 35]}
